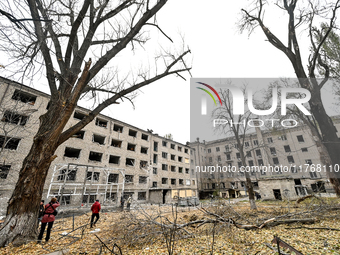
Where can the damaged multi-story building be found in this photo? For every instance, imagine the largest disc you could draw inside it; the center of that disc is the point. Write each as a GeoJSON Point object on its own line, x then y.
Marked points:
{"type": "Point", "coordinates": [281, 163]}
{"type": "Point", "coordinates": [106, 159]}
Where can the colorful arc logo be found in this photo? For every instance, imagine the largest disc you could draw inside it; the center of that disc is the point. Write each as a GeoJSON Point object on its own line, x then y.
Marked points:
{"type": "Point", "coordinates": [204, 101]}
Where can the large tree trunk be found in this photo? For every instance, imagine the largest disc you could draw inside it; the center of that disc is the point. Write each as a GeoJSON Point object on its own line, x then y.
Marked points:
{"type": "Point", "coordinates": [20, 225]}
{"type": "Point", "coordinates": [329, 138]}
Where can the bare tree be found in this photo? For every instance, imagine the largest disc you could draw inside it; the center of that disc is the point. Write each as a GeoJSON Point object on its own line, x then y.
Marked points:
{"type": "Point", "coordinates": [304, 15]}
{"type": "Point", "coordinates": [75, 41]}
{"type": "Point", "coordinates": [233, 125]}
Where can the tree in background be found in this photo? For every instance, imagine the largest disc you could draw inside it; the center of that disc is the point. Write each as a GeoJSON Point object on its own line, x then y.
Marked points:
{"type": "Point", "coordinates": [74, 41]}
{"type": "Point", "coordinates": [304, 16]}
{"type": "Point", "coordinates": [239, 131]}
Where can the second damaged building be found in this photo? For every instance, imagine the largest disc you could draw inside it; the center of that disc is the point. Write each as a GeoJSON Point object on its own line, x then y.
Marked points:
{"type": "Point", "coordinates": [281, 163]}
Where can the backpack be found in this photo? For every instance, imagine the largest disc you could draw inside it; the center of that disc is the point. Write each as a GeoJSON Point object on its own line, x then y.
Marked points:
{"type": "Point", "coordinates": [55, 212]}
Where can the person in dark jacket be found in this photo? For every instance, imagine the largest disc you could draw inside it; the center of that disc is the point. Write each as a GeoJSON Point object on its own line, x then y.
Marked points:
{"type": "Point", "coordinates": [48, 219]}
{"type": "Point", "coordinates": [41, 211]}
{"type": "Point", "coordinates": [95, 208]}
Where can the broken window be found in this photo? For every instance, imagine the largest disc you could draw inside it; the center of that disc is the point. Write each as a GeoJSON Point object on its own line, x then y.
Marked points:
{"type": "Point", "coordinates": [164, 143]}
{"type": "Point", "coordinates": [128, 178]}
{"type": "Point", "coordinates": [144, 150]}
{"type": "Point", "coordinates": [186, 170]}
{"type": "Point", "coordinates": [164, 180]}
{"type": "Point", "coordinates": [313, 175]}
{"type": "Point", "coordinates": [308, 161]}
{"type": "Point", "coordinates": [92, 199]}
{"type": "Point", "coordinates": [258, 152]}
{"type": "Point", "coordinates": [318, 187]}
{"type": "Point", "coordinates": [101, 122]}
{"type": "Point", "coordinates": [165, 167]}
{"type": "Point", "coordinates": [118, 128]}
{"type": "Point", "coordinates": [180, 169]}
{"type": "Point", "coordinates": [113, 178]}
{"type": "Point", "coordinates": [154, 170]}
{"type": "Point", "coordinates": [180, 159]}
{"type": "Point", "coordinates": [260, 161]}
{"type": "Point", "coordinates": [179, 148]}
{"type": "Point", "coordinates": [111, 196]}
{"type": "Point", "coordinates": [300, 138]}
{"type": "Point", "coordinates": [273, 151]}
{"type": "Point", "coordinates": [14, 118]}
{"type": "Point", "coordinates": [114, 159]}
{"type": "Point", "coordinates": [141, 195]}
{"type": "Point", "coordinates": [283, 137]}
{"type": "Point", "coordinates": [290, 159]}
{"type": "Point", "coordinates": [248, 154]}
{"type": "Point", "coordinates": [95, 156]}
{"type": "Point", "coordinates": [65, 200]}
{"type": "Point", "coordinates": [173, 157]}
{"type": "Point", "coordinates": [256, 142]}
{"type": "Point", "coordinates": [209, 150]}
{"type": "Point", "coordinates": [143, 179]}
{"type": "Point", "coordinates": [251, 163]}
{"type": "Point", "coordinates": [217, 149]}
{"type": "Point", "coordinates": [255, 184]}
{"type": "Point", "coordinates": [164, 155]}
{"type": "Point", "coordinates": [275, 161]}
{"type": "Point", "coordinates": [71, 175]}
{"type": "Point", "coordinates": [116, 143]}
{"type": "Point", "coordinates": [155, 157]}
{"type": "Point", "coordinates": [304, 149]}
{"type": "Point", "coordinates": [293, 169]}
{"type": "Point", "coordinates": [186, 151]}
{"type": "Point", "coordinates": [238, 155]}
{"type": "Point", "coordinates": [24, 97]}
{"type": "Point", "coordinates": [173, 181]}
{"type": "Point", "coordinates": [219, 158]}
{"type": "Point", "coordinates": [155, 146]}
{"type": "Point", "coordinates": [287, 148]}
{"type": "Point", "coordinates": [79, 115]}
{"type": "Point", "coordinates": [11, 143]}
{"type": "Point", "coordinates": [80, 134]}
{"type": "Point", "coordinates": [131, 147]}
{"type": "Point", "coordinates": [228, 156]}
{"type": "Point", "coordinates": [145, 137]}
{"type": "Point", "coordinates": [132, 133]}
{"type": "Point", "coordinates": [4, 170]}
{"type": "Point", "coordinates": [98, 139]}
{"type": "Point", "coordinates": [143, 164]}
{"type": "Point", "coordinates": [270, 140]}
{"type": "Point", "coordinates": [72, 152]}
{"type": "Point", "coordinates": [172, 146]}
{"type": "Point", "coordinates": [173, 168]}
{"type": "Point", "coordinates": [92, 176]}
{"type": "Point", "coordinates": [130, 162]}
{"type": "Point", "coordinates": [246, 144]}
{"type": "Point", "coordinates": [180, 182]}
{"type": "Point", "coordinates": [154, 184]}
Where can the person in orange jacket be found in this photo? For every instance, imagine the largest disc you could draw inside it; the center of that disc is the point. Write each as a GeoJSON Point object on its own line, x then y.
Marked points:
{"type": "Point", "coordinates": [95, 208]}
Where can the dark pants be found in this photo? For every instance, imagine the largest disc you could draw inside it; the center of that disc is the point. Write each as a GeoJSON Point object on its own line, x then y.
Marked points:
{"type": "Point", "coordinates": [92, 218]}
{"type": "Point", "coordinates": [42, 230]}
{"type": "Point", "coordinates": [128, 206]}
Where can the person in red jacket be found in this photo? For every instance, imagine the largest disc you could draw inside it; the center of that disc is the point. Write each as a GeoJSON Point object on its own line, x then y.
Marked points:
{"type": "Point", "coordinates": [95, 208]}
{"type": "Point", "coordinates": [48, 219]}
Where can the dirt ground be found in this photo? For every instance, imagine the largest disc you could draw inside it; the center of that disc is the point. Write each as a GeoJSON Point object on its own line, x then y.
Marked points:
{"type": "Point", "coordinates": [150, 230]}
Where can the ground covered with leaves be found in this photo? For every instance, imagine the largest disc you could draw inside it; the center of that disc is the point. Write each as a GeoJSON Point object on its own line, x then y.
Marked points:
{"type": "Point", "coordinates": [212, 228]}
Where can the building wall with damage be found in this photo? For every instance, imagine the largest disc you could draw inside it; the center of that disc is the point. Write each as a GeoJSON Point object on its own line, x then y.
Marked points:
{"type": "Point", "coordinates": [99, 162]}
